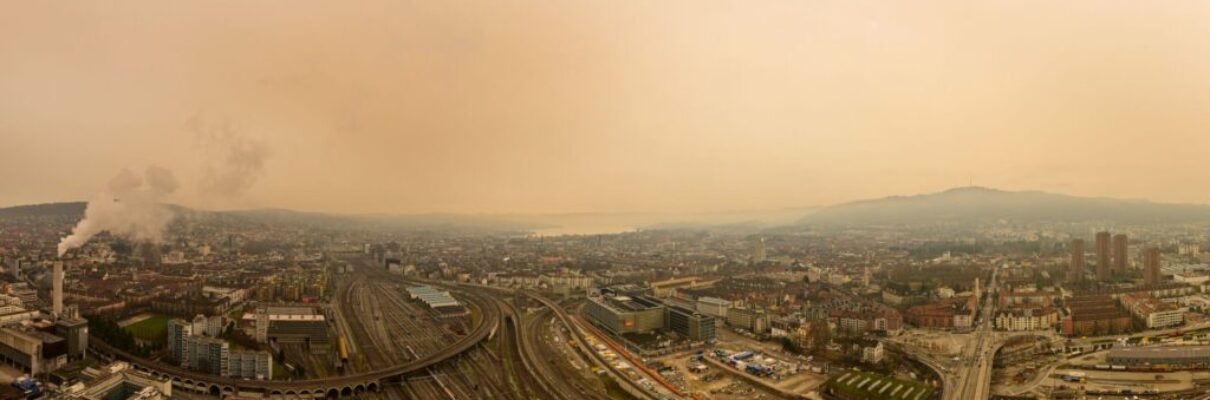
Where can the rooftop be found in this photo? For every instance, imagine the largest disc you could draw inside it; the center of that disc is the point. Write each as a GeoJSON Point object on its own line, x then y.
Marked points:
{"type": "Point", "coordinates": [1161, 352]}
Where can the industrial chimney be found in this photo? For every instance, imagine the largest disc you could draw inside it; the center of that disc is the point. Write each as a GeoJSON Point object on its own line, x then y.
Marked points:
{"type": "Point", "coordinates": [57, 289]}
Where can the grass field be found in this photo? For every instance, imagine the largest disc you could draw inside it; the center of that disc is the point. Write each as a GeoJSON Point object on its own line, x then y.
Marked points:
{"type": "Point", "coordinates": [151, 329]}
{"type": "Point", "coordinates": [872, 386]}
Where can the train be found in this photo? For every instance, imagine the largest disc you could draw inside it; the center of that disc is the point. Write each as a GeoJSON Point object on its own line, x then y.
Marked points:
{"type": "Point", "coordinates": [344, 349]}
{"type": "Point", "coordinates": [1138, 368]}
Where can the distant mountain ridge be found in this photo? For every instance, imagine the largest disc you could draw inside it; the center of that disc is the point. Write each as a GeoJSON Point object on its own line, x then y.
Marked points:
{"type": "Point", "coordinates": [47, 209]}
{"type": "Point", "coordinates": [957, 205]}
{"type": "Point", "coordinates": [545, 224]}
{"type": "Point", "coordinates": [981, 204]}
{"type": "Point", "coordinates": [286, 216]}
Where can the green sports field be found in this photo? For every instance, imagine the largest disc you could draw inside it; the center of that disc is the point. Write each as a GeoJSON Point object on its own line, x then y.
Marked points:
{"type": "Point", "coordinates": [151, 329]}
{"type": "Point", "coordinates": [869, 385]}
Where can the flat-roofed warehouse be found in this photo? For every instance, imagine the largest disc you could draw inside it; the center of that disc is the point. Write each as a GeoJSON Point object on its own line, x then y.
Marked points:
{"type": "Point", "coordinates": [1176, 356]}
{"type": "Point", "coordinates": [294, 324]}
{"type": "Point", "coordinates": [444, 304]}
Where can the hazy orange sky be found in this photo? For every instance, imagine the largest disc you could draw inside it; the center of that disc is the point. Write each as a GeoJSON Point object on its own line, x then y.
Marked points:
{"type": "Point", "coordinates": [564, 106]}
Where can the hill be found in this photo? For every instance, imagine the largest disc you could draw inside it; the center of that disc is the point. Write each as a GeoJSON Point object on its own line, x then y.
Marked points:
{"type": "Point", "coordinates": [979, 204]}
{"type": "Point", "coordinates": [48, 209]}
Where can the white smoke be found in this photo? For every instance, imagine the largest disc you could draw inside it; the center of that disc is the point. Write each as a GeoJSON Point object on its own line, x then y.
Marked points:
{"type": "Point", "coordinates": [233, 161]}
{"type": "Point", "coordinates": [130, 207]}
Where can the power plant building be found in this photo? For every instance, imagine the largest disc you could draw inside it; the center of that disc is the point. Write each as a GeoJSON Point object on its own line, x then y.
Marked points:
{"type": "Point", "coordinates": [74, 329]}
{"type": "Point", "coordinates": [31, 351]}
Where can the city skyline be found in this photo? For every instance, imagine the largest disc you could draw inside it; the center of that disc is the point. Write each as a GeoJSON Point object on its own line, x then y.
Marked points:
{"type": "Point", "coordinates": [573, 107]}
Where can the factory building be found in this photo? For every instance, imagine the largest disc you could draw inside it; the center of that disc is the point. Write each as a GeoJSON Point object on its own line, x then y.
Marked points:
{"type": "Point", "coordinates": [12, 310]}
{"type": "Point", "coordinates": [292, 324]}
{"type": "Point", "coordinates": [31, 351]}
{"type": "Point", "coordinates": [74, 329]}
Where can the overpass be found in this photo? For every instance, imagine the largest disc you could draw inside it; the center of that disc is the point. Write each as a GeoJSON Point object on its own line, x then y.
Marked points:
{"type": "Point", "coordinates": [330, 387]}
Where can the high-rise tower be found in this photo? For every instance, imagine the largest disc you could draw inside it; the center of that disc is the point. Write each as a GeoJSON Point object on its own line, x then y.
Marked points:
{"type": "Point", "coordinates": [1151, 265]}
{"type": "Point", "coordinates": [758, 251]}
{"type": "Point", "coordinates": [1103, 271]}
{"type": "Point", "coordinates": [1120, 254]}
{"type": "Point", "coordinates": [1076, 271]}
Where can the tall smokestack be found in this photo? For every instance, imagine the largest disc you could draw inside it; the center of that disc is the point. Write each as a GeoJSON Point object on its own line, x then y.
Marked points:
{"type": "Point", "coordinates": [57, 289]}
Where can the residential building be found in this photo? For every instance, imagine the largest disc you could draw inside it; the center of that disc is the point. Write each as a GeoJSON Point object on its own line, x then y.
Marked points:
{"type": "Point", "coordinates": [1075, 272]}
{"type": "Point", "coordinates": [713, 306]}
{"type": "Point", "coordinates": [1151, 266]}
{"type": "Point", "coordinates": [1120, 254]}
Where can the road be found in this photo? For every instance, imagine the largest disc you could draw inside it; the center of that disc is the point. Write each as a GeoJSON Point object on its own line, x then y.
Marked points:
{"type": "Point", "coordinates": [578, 334]}
{"type": "Point", "coordinates": [974, 377]}
{"type": "Point", "coordinates": [566, 383]}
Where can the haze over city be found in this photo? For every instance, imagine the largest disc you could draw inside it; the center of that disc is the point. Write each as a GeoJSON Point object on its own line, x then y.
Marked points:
{"type": "Point", "coordinates": [528, 107]}
{"type": "Point", "coordinates": [609, 200]}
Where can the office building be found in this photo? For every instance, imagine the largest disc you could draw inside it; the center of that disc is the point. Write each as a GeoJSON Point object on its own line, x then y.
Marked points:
{"type": "Point", "coordinates": [691, 324]}
{"type": "Point", "coordinates": [1103, 257]}
{"type": "Point", "coordinates": [625, 314]}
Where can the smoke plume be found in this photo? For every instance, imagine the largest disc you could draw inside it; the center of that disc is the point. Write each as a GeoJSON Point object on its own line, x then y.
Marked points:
{"type": "Point", "coordinates": [234, 162]}
{"type": "Point", "coordinates": [130, 207]}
